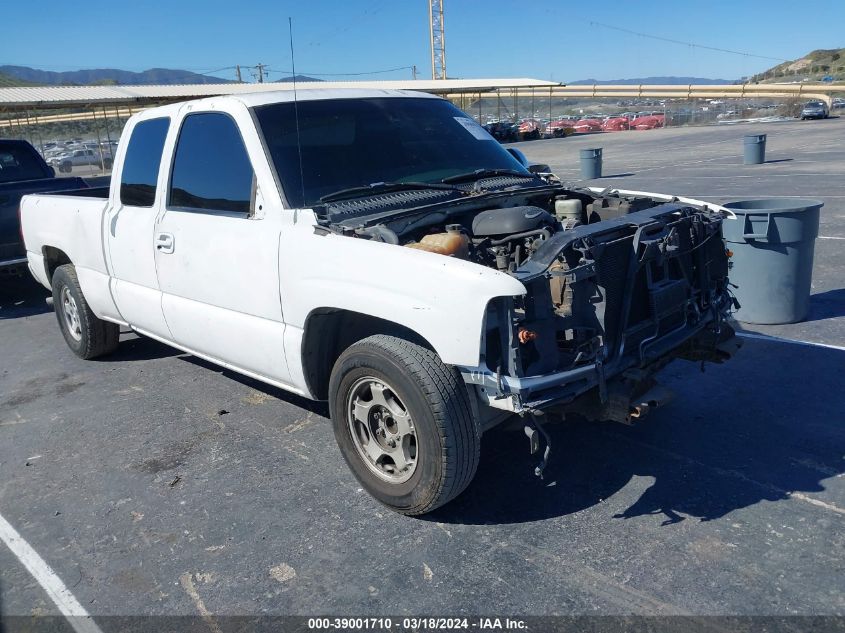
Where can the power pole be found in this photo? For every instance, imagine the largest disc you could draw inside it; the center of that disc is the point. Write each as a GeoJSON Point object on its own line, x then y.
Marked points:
{"type": "Point", "coordinates": [414, 72]}
{"type": "Point", "coordinates": [437, 27]}
{"type": "Point", "coordinates": [260, 68]}
{"type": "Point", "coordinates": [238, 71]}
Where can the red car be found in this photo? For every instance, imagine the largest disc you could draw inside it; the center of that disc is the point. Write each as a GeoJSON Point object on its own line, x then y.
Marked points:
{"type": "Point", "coordinates": [647, 122]}
{"type": "Point", "coordinates": [530, 129]}
{"type": "Point", "coordinates": [616, 124]}
{"type": "Point", "coordinates": [587, 125]}
{"type": "Point", "coordinates": [559, 128]}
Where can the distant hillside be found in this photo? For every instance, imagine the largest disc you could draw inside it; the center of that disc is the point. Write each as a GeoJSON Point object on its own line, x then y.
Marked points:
{"type": "Point", "coordinates": [811, 67]}
{"type": "Point", "coordinates": [107, 76]}
{"type": "Point", "coordinates": [673, 81]}
{"type": "Point", "coordinates": [7, 81]}
{"type": "Point", "coordinates": [302, 78]}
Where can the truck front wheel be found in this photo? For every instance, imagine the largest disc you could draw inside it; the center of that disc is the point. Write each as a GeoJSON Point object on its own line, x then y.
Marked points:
{"type": "Point", "coordinates": [85, 334]}
{"type": "Point", "coordinates": [404, 423]}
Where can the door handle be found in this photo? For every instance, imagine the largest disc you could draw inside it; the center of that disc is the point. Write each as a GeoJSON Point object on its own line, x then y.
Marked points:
{"type": "Point", "coordinates": [164, 242]}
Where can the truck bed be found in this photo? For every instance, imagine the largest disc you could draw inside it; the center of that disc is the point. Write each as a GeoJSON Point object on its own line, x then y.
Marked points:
{"type": "Point", "coordinates": [67, 225]}
{"type": "Point", "coordinates": [12, 251]}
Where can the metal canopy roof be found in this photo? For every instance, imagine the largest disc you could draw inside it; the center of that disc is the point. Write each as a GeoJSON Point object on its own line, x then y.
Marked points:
{"type": "Point", "coordinates": [66, 96]}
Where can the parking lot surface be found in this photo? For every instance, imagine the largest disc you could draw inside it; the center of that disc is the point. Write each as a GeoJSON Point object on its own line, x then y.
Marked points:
{"type": "Point", "coordinates": [155, 483]}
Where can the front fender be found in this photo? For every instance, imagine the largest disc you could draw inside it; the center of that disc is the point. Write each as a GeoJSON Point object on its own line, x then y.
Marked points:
{"type": "Point", "coordinates": [441, 298]}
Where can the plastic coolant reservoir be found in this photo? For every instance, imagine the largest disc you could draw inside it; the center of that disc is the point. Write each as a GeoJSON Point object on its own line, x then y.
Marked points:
{"type": "Point", "coordinates": [567, 209]}
{"type": "Point", "coordinates": [453, 242]}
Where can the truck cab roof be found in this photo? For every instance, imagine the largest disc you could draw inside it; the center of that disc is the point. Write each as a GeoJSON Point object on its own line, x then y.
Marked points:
{"type": "Point", "coordinates": [254, 99]}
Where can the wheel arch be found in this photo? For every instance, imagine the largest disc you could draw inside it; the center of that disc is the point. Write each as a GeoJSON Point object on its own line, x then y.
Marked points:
{"type": "Point", "coordinates": [53, 258]}
{"type": "Point", "coordinates": [330, 331]}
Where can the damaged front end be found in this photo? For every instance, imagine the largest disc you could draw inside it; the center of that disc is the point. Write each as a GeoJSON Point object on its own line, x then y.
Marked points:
{"type": "Point", "coordinates": [608, 305]}
{"type": "Point", "coordinates": [617, 285]}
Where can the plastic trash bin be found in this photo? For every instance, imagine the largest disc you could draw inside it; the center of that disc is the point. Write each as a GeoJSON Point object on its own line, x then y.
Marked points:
{"type": "Point", "coordinates": [591, 163]}
{"type": "Point", "coordinates": [772, 264]}
{"type": "Point", "coordinates": [755, 149]}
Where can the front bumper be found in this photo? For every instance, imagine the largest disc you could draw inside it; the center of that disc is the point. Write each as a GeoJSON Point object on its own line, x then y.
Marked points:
{"type": "Point", "coordinates": [519, 394]}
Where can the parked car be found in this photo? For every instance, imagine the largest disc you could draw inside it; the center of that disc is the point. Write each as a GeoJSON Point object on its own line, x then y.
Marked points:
{"type": "Point", "coordinates": [503, 131]}
{"type": "Point", "coordinates": [583, 126]}
{"type": "Point", "coordinates": [560, 128]}
{"type": "Point", "coordinates": [22, 171]}
{"type": "Point", "coordinates": [66, 161]}
{"type": "Point", "coordinates": [530, 129]}
{"type": "Point", "coordinates": [648, 122]}
{"type": "Point", "coordinates": [390, 258]}
{"type": "Point", "coordinates": [815, 110]}
{"type": "Point", "coordinates": [616, 124]}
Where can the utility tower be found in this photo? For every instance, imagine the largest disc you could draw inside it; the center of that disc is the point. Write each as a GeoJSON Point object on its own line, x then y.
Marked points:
{"type": "Point", "coordinates": [437, 26]}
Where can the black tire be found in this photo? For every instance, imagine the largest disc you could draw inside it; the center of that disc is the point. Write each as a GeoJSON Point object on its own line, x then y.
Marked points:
{"type": "Point", "coordinates": [94, 337]}
{"type": "Point", "coordinates": [447, 434]}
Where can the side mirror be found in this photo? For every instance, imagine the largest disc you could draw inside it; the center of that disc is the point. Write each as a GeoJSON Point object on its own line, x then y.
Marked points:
{"type": "Point", "coordinates": [534, 168]}
{"type": "Point", "coordinates": [539, 168]}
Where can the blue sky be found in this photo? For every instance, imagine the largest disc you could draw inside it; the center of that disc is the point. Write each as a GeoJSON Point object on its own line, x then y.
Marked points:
{"type": "Point", "coordinates": [546, 39]}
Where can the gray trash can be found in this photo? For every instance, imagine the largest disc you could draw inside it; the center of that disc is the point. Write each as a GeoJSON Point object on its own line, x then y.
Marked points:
{"type": "Point", "coordinates": [772, 264]}
{"type": "Point", "coordinates": [591, 163]}
{"type": "Point", "coordinates": [755, 149]}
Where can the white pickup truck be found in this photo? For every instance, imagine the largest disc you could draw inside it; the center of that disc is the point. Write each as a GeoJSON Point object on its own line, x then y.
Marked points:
{"type": "Point", "coordinates": [379, 250]}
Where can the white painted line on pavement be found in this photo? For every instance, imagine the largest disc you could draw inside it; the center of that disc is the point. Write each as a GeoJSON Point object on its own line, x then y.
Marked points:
{"type": "Point", "coordinates": [816, 502]}
{"type": "Point", "coordinates": [830, 237]}
{"type": "Point", "coordinates": [64, 600]}
{"type": "Point", "coordinates": [778, 339]}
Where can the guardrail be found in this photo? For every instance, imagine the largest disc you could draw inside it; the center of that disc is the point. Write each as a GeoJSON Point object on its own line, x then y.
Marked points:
{"type": "Point", "coordinates": [821, 91]}
{"type": "Point", "coordinates": [28, 119]}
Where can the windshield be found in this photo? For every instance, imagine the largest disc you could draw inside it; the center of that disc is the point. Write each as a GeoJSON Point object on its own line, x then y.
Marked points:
{"type": "Point", "coordinates": [349, 143]}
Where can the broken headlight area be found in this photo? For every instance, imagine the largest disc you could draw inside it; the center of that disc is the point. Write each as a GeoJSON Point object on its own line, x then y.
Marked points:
{"type": "Point", "coordinates": [631, 292]}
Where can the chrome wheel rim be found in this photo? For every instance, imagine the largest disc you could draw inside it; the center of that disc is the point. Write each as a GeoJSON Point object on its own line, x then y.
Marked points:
{"type": "Point", "coordinates": [382, 430]}
{"type": "Point", "coordinates": [71, 314]}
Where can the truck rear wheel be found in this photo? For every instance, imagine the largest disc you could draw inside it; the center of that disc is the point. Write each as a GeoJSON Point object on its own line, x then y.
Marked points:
{"type": "Point", "coordinates": [85, 334]}
{"type": "Point", "coordinates": [404, 423]}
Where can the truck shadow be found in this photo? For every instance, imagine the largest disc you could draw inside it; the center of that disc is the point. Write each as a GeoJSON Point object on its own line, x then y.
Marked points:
{"type": "Point", "coordinates": [22, 297]}
{"type": "Point", "coordinates": [318, 408]}
{"type": "Point", "coordinates": [737, 435]}
{"type": "Point", "coordinates": [134, 348]}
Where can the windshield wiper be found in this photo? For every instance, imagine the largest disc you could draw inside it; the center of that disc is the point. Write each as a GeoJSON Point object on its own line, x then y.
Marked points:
{"type": "Point", "coordinates": [478, 174]}
{"type": "Point", "coordinates": [383, 187]}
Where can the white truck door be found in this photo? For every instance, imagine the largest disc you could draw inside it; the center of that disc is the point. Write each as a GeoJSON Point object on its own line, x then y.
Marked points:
{"type": "Point", "coordinates": [217, 248]}
{"type": "Point", "coordinates": [130, 223]}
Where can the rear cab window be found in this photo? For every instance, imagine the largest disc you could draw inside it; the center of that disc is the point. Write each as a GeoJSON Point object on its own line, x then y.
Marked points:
{"type": "Point", "coordinates": [19, 161]}
{"type": "Point", "coordinates": [211, 170]}
{"type": "Point", "coordinates": [141, 165]}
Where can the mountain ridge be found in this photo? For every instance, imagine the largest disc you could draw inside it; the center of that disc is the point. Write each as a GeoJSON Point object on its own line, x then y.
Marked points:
{"type": "Point", "coordinates": [108, 76]}
{"type": "Point", "coordinates": [15, 76]}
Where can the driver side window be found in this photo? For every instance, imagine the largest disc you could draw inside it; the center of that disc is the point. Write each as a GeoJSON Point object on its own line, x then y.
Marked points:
{"type": "Point", "coordinates": [211, 170]}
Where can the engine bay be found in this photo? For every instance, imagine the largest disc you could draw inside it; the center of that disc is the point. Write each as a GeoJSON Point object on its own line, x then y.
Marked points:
{"type": "Point", "coordinates": [611, 279]}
